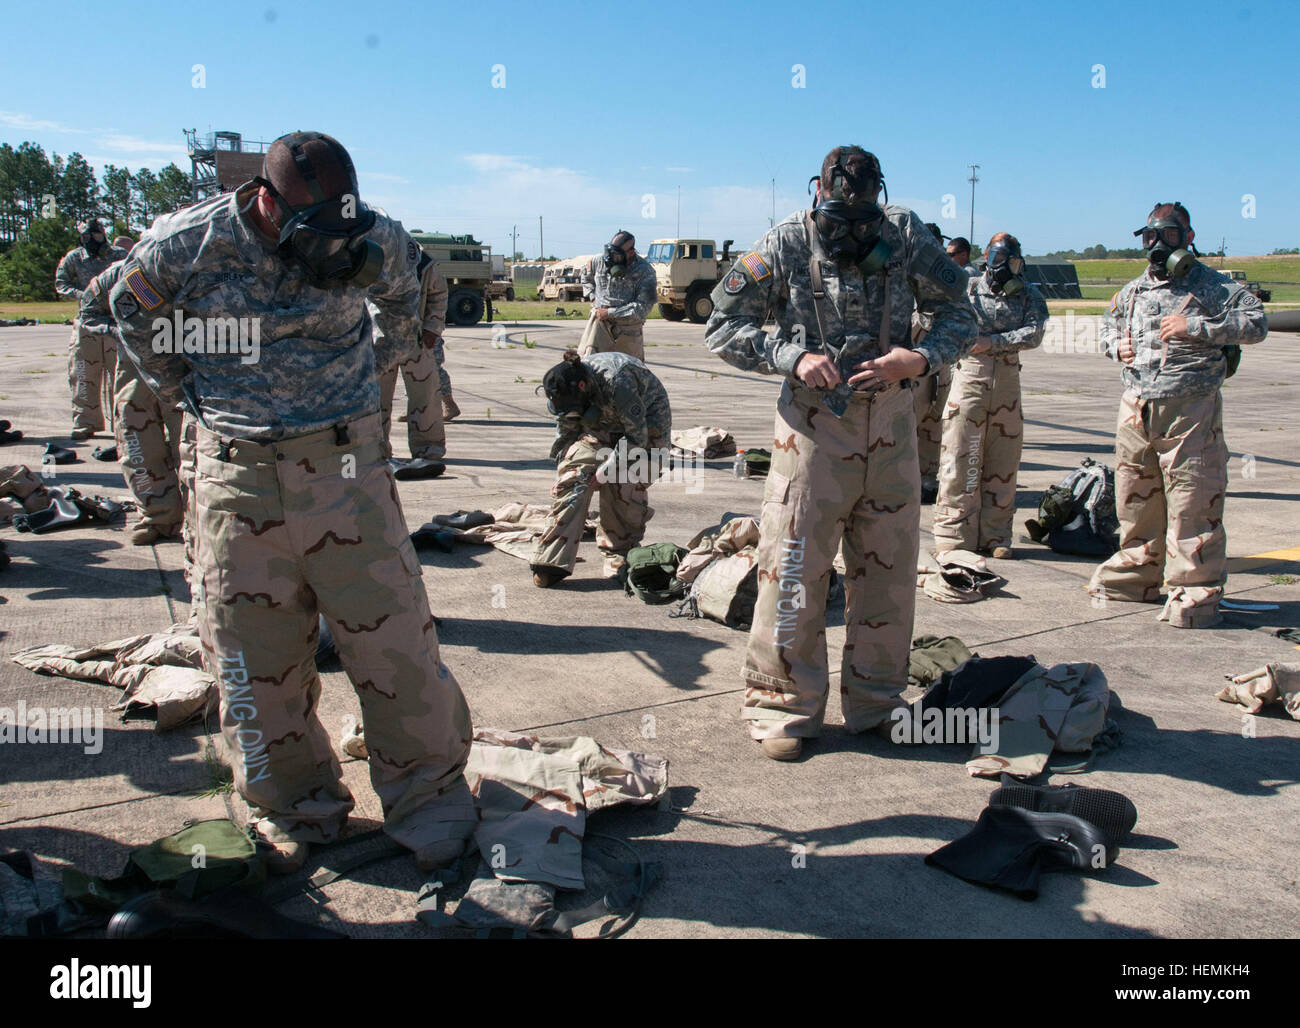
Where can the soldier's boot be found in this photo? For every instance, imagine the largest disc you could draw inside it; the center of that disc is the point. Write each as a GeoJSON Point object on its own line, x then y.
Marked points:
{"type": "Point", "coordinates": [285, 858]}
{"type": "Point", "coordinates": [81, 434]}
{"type": "Point", "coordinates": [1002, 553]}
{"type": "Point", "coordinates": [545, 577]}
{"type": "Point", "coordinates": [146, 535]}
{"type": "Point", "coordinates": [782, 748]}
{"type": "Point", "coordinates": [438, 855]}
{"type": "Point", "coordinates": [613, 565]}
{"type": "Point", "coordinates": [450, 409]}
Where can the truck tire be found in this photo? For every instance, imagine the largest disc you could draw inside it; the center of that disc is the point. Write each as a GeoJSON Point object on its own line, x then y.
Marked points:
{"type": "Point", "coordinates": [464, 307]}
{"type": "Point", "coordinates": [699, 304]}
{"type": "Point", "coordinates": [510, 294]}
{"type": "Point", "coordinates": [670, 313]}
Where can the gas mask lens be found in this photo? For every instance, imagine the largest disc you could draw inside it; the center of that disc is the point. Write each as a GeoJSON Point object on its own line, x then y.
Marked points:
{"type": "Point", "coordinates": [1005, 267]}
{"type": "Point", "coordinates": [1170, 235]}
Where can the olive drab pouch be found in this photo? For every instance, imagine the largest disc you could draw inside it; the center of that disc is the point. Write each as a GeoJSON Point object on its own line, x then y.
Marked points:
{"type": "Point", "coordinates": [651, 573]}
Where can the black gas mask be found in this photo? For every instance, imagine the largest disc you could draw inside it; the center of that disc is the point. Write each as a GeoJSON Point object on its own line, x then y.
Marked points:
{"type": "Point", "coordinates": [565, 396]}
{"type": "Point", "coordinates": [850, 229]}
{"type": "Point", "coordinates": [88, 233]}
{"type": "Point", "coordinates": [327, 237]}
{"type": "Point", "coordinates": [1167, 247]}
{"type": "Point", "coordinates": [615, 261]}
{"type": "Point", "coordinates": [1004, 269]}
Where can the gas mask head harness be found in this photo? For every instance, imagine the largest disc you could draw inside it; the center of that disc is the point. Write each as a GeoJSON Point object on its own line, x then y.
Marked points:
{"type": "Point", "coordinates": [88, 230]}
{"type": "Point", "coordinates": [1166, 242]}
{"type": "Point", "coordinates": [616, 259]}
{"type": "Point", "coordinates": [565, 395]}
{"type": "Point", "coordinates": [848, 222]}
{"type": "Point", "coordinates": [1005, 267]}
{"type": "Point", "coordinates": [327, 237]}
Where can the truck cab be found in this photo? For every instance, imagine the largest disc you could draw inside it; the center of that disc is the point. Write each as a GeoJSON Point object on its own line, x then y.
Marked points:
{"type": "Point", "coordinates": [687, 270]}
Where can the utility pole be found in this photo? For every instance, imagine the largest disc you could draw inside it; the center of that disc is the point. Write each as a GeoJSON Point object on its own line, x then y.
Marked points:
{"type": "Point", "coordinates": [541, 240]}
{"type": "Point", "coordinates": [973, 179]}
{"type": "Point", "coordinates": [514, 236]}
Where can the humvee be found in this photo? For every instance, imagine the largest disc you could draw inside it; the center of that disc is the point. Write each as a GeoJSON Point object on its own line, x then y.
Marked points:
{"type": "Point", "coordinates": [687, 270]}
{"type": "Point", "coordinates": [564, 280]}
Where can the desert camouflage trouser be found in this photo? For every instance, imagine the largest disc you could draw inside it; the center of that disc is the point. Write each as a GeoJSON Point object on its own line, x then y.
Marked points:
{"type": "Point", "coordinates": [425, 433]}
{"type": "Point", "coordinates": [1171, 478]}
{"type": "Point", "coordinates": [613, 337]}
{"type": "Point", "coordinates": [186, 471]}
{"type": "Point", "coordinates": [983, 431]}
{"type": "Point", "coordinates": [148, 444]}
{"type": "Point", "coordinates": [624, 508]}
{"type": "Point", "coordinates": [92, 356]}
{"type": "Point", "coordinates": [930, 397]}
{"type": "Point", "coordinates": [312, 524]}
{"type": "Point", "coordinates": [855, 478]}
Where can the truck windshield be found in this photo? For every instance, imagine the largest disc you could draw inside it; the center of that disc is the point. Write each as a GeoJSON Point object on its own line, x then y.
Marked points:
{"type": "Point", "coordinates": [660, 253]}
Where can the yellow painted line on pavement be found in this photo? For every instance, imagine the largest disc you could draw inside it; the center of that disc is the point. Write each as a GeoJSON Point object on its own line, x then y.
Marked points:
{"type": "Point", "coordinates": [1263, 560]}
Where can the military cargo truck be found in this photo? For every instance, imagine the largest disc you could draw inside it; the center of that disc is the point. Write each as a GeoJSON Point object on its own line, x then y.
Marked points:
{"type": "Point", "coordinates": [687, 270]}
{"type": "Point", "coordinates": [1236, 275]}
{"type": "Point", "coordinates": [466, 264]}
{"type": "Point", "coordinates": [502, 286]}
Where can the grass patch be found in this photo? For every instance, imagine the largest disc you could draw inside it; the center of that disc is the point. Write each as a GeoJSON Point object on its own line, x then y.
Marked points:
{"type": "Point", "coordinates": [59, 310]}
{"type": "Point", "coordinates": [1282, 580]}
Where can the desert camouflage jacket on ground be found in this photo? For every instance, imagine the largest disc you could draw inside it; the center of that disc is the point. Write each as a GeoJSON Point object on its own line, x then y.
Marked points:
{"type": "Point", "coordinates": [775, 277]}
{"type": "Point", "coordinates": [320, 349]}
{"type": "Point", "coordinates": [1012, 323]}
{"type": "Point", "coordinates": [628, 297]}
{"type": "Point", "coordinates": [1219, 313]}
{"type": "Point", "coordinates": [77, 269]}
{"type": "Point", "coordinates": [631, 400]}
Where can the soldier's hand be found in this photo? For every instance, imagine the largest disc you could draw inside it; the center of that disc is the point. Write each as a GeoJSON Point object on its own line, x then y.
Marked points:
{"type": "Point", "coordinates": [602, 313]}
{"type": "Point", "coordinates": [1127, 351]}
{"type": "Point", "coordinates": [895, 366]}
{"type": "Point", "coordinates": [817, 371]}
{"type": "Point", "coordinates": [1173, 326]}
{"type": "Point", "coordinates": [983, 344]}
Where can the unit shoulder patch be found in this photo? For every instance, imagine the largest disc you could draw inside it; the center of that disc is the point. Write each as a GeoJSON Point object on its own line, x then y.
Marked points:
{"type": "Point", "coordinates": [412, 251]}
{"type": "Point", "coordinates": [944, 271]}
{"type": "Point", "coordinates": [734, 282]}
{"type": "Point", "coordinates": [143, 291]}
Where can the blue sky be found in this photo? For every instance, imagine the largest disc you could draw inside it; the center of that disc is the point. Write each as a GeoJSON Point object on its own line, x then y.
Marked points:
{"type": "Point", "coordinates": [606, 104]}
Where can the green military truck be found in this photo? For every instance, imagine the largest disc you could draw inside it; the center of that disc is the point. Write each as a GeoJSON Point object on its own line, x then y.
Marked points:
{"type": "Point", "coordinates": [687, 270]}
{"type": "Point", "coordinates": [466, 264]}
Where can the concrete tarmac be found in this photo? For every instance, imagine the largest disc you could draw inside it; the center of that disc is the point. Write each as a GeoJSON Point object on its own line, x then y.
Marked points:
{"type": "Point", "coordinates": [830, 846]}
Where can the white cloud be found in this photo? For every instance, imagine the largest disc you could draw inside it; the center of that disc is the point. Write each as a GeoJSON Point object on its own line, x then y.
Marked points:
{"type": "Point", "coordinates": [134, 144]}
{"type": "Point", "coordinates": [384, 178]}
{"type": "Point", "coordinates": [25, 122]}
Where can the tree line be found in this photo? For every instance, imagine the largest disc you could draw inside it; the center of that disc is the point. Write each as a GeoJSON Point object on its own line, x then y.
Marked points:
{"type": "Point", "coordinates": [43, 197]}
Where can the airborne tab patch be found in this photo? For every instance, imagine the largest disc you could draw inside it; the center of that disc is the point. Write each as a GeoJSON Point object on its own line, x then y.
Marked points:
{"type": "Point", "coordinates": [754, 265]}
{"type": "Point", "coordinates": [144, 292]}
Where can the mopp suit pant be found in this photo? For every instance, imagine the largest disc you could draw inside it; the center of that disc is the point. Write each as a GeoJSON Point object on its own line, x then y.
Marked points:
{"type": "Point", "coordinates": [148, 446]}
{"type": "Point", "coordinates": [1171, 478]}
{"type": "Point", "coordinates": [314, 524]}
{"type": "Point", "coordinates": [425, 432]}
{"type": "Point", "coordinates": [624, 507]}
{"type": "Point", "coordinates": [930, 398]}
{"type": "Point", "coordinates": [612, 337]}
{"type": "Point", "coordinates": [91, 357]}
{"type": "Point", "coordinates": [854, 479]}
{"type": "Point", "coordinates": [983, 432]}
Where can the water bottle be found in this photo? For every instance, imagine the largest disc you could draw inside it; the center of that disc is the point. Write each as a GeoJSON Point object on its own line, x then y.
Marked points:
{"type": "Point", "coordinates": [738, 468]}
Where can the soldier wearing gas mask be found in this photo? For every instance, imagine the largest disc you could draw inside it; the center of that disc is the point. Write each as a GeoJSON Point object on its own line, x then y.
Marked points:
{"type": "Point", "coordinates": [1175, 329]}
{"type": "Point", "coordinates": [297, 511]}
{"type": "Point", "coordinates": [92, 351]}
{"type": "Point", "coordinates": [842, 281]}
{"type": "Point", "coordinates": [983, 426]}
{"type": "Point", "coordinates": [625, 290]}
{"type": "Point", "coordinates": [611, 412]}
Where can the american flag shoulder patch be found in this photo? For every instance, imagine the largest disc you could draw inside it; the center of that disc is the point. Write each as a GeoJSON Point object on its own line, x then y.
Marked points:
{"type": "Point", "coordinates": [144, 292]}
{"type": "Point", "coordinates": [754, 265]}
